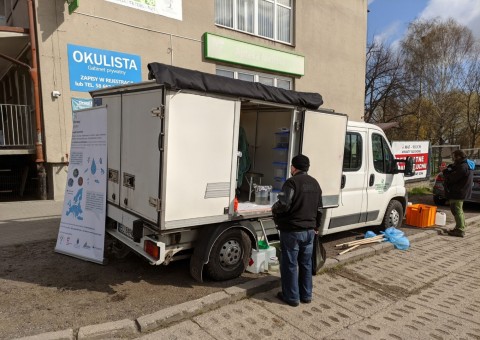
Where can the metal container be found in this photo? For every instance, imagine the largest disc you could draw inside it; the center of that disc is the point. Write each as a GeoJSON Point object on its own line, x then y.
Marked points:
{"type": "Point", "coordinates": [262, 194]}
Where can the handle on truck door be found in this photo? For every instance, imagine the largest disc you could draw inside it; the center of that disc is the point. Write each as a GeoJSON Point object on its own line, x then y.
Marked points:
{"type": "Point", "coordinates": [344, 180]}
{"type": "Point", "coordinates": [372, 180]}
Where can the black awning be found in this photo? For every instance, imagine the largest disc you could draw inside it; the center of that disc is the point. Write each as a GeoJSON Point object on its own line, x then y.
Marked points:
{"type": "Point", "coordinates": [180, 78]}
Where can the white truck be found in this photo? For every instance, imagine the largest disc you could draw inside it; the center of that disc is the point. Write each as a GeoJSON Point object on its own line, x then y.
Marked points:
{"type": "Point", "coordinates": [174, 174]}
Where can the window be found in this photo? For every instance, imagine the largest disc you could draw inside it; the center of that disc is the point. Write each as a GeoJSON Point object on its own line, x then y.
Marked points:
{"type": "Point", "coordinates": [383, 159]}
{"type": "Point", "coordinates": [267, 18]}
{"type": "Point", "coordinates": [266, 79]}
{"type": "Point", "coordinates": [352, 155]}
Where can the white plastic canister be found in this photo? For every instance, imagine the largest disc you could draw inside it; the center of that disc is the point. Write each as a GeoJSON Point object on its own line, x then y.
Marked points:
{"type": "Point", "coordinates": [440, 218]}
{"type": "Point", "coordinates": [258, 263]}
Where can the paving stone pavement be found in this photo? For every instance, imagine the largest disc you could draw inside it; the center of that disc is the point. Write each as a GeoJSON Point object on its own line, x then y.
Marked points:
{"type": "Point", "coordinates": [430, 291]}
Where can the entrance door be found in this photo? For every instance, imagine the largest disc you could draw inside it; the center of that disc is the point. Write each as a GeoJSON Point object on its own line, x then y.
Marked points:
{"type": "Point", "coordinates": [351, 211]}
{"type": "Point", "coordinates": [140, 170]}
{"type": "Point", "coordinates": [323, 141]}
{"type": "Point", "coordinates": [380, 178]}
{"type": "Point", "coordinates": [200, 159]}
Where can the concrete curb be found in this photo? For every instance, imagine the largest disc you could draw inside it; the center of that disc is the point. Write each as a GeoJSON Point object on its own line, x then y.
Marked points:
{"type": "Point", "coordinates": [174, 314]}
{"type": "Point", "coordinates": [116, 329]}
{"type": "Point", "coordinates": [66, 334]}
{"type": "Point", "coordinates": [182, 311]}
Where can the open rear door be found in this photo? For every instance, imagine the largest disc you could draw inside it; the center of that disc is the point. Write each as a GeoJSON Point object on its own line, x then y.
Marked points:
{"type": "Point", "coordinates": [200, 159]}
{"type": "Point", "coordinates": [323, 142]}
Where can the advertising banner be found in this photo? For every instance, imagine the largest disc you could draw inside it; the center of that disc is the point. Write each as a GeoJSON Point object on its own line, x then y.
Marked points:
{"type": "Point", "coordinates": [81, 104]}
{"type": "Point", "coordinates": [92, 69]}
{"type": "Point", "coordinates": [419, 150]}
{"type": "Point", "coordinates": [167, 8]}
{"type": "Point", "coordinates": [82, 226]}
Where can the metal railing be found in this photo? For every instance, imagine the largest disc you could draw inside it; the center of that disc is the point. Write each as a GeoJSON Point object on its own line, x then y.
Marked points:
{"type": "Point", "coordinates": [16, 126]}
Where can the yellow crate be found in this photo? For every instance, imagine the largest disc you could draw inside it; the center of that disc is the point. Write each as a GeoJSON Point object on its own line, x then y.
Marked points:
{"type": "Point", "coordinates": [421, 215]}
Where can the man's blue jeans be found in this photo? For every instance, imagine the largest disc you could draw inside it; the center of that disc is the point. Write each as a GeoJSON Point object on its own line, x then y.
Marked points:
{"type": "Point", "coordinates": [297, 249]}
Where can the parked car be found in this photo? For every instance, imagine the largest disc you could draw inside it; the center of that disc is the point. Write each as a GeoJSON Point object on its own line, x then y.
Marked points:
{"type": "Point", "coordinates": [439, 191]}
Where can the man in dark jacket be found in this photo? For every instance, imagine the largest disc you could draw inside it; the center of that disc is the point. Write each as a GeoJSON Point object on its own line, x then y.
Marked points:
{"type": "Point", "coordinates": [297, 214]}
{"type": "Point", "coordinates": [458, 187]}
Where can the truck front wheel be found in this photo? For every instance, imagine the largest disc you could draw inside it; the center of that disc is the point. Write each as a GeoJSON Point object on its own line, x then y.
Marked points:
{"type": "Point", "coordinates": [393, 215]}
{"type": "Point", "coordinates": [229, 255]}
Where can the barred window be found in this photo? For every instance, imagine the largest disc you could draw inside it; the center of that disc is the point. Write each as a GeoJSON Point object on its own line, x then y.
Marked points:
{"type": "Point", "coordinates": [267, 18]}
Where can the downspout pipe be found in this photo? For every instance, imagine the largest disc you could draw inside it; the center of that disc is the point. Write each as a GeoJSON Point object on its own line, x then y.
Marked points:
{"type": "Point", "coordinates": [38, 115]}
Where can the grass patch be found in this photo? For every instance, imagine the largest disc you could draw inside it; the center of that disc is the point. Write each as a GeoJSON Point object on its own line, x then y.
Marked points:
{"type": "Point", "coordinates": [419, 191]}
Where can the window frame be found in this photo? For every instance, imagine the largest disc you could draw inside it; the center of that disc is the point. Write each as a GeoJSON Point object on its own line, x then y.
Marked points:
{"type": "Point", "coordinates": [256, 75]}
{"type": "Point", "coordinates": [276, 4]}
{"type": "Point", "coordinates": [359, 148]}
{"type": "Point", "coordinates": [389, 166]}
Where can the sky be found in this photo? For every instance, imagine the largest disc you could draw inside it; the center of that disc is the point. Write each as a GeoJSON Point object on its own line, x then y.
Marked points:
{"type": "Point", "coordinates": [388, 19]}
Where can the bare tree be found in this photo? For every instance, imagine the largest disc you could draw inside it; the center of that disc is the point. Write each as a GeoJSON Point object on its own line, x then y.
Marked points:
{"type": "Point", "coordinates": [436, 55]}
{"type": "Point", "coordinates": [472, 98]}
{"type": "Point", "coordinates": [383, 82]}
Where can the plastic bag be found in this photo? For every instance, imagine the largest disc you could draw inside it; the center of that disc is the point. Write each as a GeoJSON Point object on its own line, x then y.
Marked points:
{"type": "Point", "coordinates": [471, 164]}
{"type": "Point", "coordinates": [397, 237]}
{"type": "Point", "coordinates": [262, 244]}
{"type": "Point", "coordinates": [401, 243]}
{"type": "Point", "coordinates": [319, 255]}
{"type": "Point", "coordinates": [369, 234]}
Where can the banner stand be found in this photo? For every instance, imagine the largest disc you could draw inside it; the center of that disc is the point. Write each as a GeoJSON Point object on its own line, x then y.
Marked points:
{"type": "Point", "coordinates": [82, 226]}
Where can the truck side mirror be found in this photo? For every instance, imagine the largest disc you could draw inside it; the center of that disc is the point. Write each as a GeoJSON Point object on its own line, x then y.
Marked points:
{"type": "Point", "coordinates": [408, 170]}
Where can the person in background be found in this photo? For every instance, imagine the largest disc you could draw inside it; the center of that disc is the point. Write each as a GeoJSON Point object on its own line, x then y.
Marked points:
{"type": "Point", "coordinates": [458, 187]}
{"type": "Point", "coordinates": [297, 215]}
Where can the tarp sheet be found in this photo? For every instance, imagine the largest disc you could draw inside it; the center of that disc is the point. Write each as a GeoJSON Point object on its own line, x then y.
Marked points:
{"type": "Point", "coordinates": [178, 78]}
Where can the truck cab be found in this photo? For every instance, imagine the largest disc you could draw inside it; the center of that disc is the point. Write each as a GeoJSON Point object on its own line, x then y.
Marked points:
{"type": "Point", "coordinates": [373, 191]}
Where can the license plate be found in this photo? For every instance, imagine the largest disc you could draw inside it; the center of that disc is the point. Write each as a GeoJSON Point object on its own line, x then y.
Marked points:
{"type": "Point", "coordinates": [125, 230]}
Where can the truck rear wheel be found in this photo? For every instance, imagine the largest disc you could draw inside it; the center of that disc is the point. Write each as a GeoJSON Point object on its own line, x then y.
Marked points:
{"type": "Point", "coordinates": [393, 215]}
{"type": "Point", "coordinates": [229, 255]}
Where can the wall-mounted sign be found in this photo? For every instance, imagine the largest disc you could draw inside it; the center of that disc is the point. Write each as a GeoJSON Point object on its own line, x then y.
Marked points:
{"type": "Point", "coordinates": [238, 52]}
{"type": "Point", "coordinates": [92, 69]}
{"type": "Point", "coordinates": [81, 104]}
{"type": "Point", "coordinates": [167, 8]}
{"type": "Point", "coordinates": [419, 152]}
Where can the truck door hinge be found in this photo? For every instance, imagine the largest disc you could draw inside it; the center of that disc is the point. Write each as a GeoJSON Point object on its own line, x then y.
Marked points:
{"type": "Point", "coordinates": [158, 111]}
{"type": "Point", "coordinates": [155, 202]}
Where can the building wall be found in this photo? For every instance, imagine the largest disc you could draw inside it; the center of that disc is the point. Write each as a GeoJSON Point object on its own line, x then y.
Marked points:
{"type": "Point", "coordinates": [331, 35]}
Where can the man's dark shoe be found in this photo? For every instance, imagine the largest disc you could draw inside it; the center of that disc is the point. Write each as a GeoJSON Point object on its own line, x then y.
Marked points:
{"type": "Point", "coordinates": [456, 232]}
{"type": "Point", "coordinates": [291, 303]}
{"type": "Point", "coordinates": [305, 300]}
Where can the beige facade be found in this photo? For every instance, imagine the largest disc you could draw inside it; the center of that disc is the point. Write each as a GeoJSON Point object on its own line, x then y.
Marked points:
{"type": "Point", "coordinates": [329, 34]}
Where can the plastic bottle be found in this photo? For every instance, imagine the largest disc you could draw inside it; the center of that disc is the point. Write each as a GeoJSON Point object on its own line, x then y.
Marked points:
{"type": "Point", "coordinates": [235, 204]}
{"type": "Point", "coordinates": [273, 264]}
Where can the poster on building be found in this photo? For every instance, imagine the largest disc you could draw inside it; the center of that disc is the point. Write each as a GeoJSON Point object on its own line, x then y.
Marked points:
{"type": "Point", "coordinates": [92, 68]}
{"type": "Point", "coordinates": [82, 226]}
{"type": "Point", "coordinates": [419, 150]}
{"type": "Point", "coordinates": [81, 104]}
{"type": "Point", "coordinates": [167, 8]}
